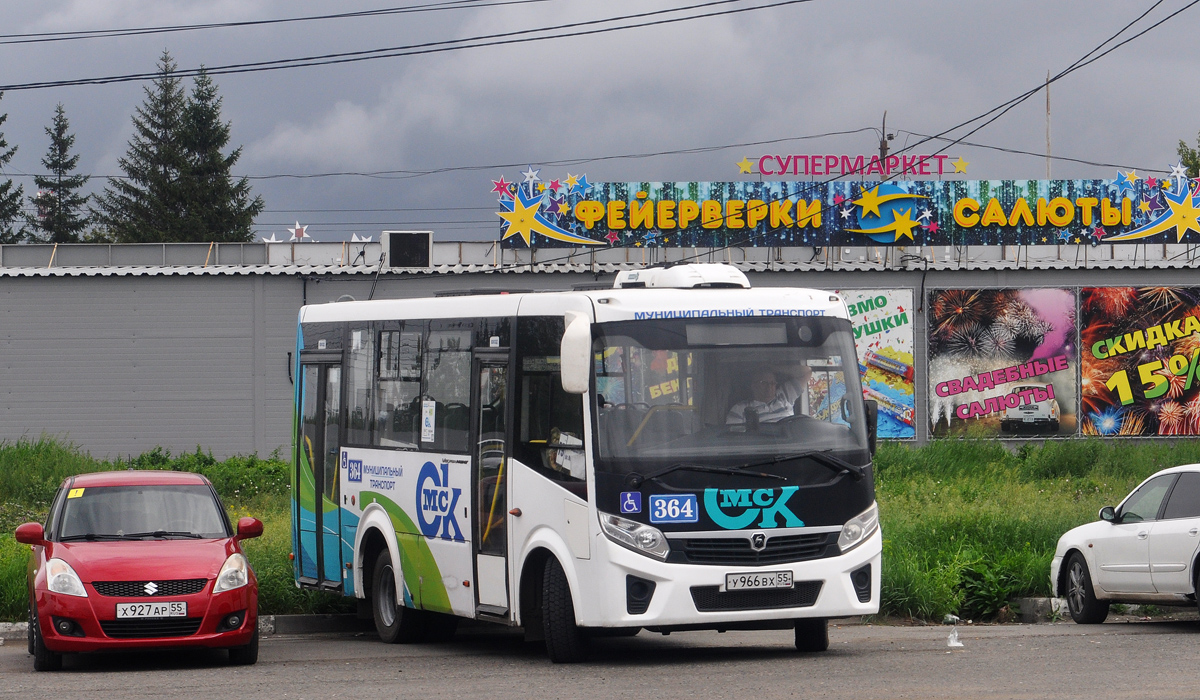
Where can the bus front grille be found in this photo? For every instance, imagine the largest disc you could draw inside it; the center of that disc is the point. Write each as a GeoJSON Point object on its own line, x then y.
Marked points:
{"type": "Point", "coordinates": [711, 599]}
{"type": "Point", "coordinates": [736, 551]}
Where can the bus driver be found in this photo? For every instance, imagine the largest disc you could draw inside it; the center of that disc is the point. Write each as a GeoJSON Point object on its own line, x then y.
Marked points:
{"type": "Point", "coordinates": [770, 398]}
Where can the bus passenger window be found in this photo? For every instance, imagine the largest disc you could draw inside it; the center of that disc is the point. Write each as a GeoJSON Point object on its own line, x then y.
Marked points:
{"type": "Point", "coordinates": [549, 424]}
{"type": "Point", "coordinates": [448, 386]}
{"type": "Point", "coordinates": [398, 392]}
{"type": "Point", "coordinates": [359, 382]}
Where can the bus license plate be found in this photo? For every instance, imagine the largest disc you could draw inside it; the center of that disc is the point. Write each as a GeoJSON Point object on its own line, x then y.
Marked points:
{"type": "Point", "coordinates": [172, 608]}
{"type": "Point", "coordinates": [764, 579]}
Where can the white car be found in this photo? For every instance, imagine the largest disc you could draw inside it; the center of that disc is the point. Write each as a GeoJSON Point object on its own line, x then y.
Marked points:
{"type": "Point", "coordinates": [1041, 416]}
{"type": "Point", "coordinates": [1142, 551]}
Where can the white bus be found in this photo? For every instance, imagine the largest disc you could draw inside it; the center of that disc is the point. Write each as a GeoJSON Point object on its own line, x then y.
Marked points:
{"type": "Point", "coordinates": [677, 452]}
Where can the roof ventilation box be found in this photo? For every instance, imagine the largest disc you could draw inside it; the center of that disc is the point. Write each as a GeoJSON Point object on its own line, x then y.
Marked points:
{"type": "Point", "coordinates": [688, 276]}
{"type": "Point", "coordinates": [407, 249]}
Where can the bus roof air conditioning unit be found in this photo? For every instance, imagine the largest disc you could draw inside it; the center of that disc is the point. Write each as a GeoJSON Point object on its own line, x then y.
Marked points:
{"type": "Point", "coordinates": [687, 276]}
{"type": "Point", "coordinates": [407, 249]}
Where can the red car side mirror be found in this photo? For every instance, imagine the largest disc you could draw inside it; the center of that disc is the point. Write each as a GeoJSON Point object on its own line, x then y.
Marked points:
{"type": "Point", "coordinates": [32, 533]}
{"type": "Point", "coordinates": [247, 528]}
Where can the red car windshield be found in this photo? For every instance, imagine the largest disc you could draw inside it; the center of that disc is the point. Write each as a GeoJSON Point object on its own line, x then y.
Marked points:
{"type": "Point", "coordinates": [140, 512]}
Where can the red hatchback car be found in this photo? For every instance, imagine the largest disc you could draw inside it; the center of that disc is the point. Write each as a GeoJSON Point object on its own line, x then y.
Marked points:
{"type": "Point", "coordinates": [138, 559]}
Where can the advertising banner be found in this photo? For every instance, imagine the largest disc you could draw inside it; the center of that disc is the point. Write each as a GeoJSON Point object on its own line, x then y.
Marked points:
{"type": "Point", "coordinates": [883, 336]}
{"type": "Point", "coordinates": [572, 212]}
{"type": "Point", "coordinates": [1002, 362]}
{"type": "Point", "coordinates": [1140, 347]}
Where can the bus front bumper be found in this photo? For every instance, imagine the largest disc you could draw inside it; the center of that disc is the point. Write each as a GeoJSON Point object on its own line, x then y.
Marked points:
{"type": "Point", "coordinates": [691, 595]}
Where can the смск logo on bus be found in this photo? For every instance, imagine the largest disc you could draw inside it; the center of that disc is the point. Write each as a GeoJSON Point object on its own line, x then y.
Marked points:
{"type": "Point", "coordinates": [438, 501]}
{"type": "Point", "coordinates": [755, 502]}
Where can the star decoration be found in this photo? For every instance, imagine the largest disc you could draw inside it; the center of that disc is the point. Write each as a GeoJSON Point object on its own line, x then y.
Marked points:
{"type": "Point", "coordinates": [555, 185]}
{"type": "Point", "coordinates": [902, 225]}
{"type": "Point", "coordinates": [612, 237]}
{"type": "Point", "coordinates": [960, 165]}
{"type": "Point", "coordinates": [1144, 207]}
{"type": "Point", "coordinates": [1123, 183]}
{"type": "Point", "coordinates": [1099, 232]}
{"type": "Point", "coordinates": [1184, 216]}
{"type": "Point", "coordinates": [1164, 184]}
{"type": "Point", "coordinates": [1132, 176]}
{"type": "Point", "coordinates": [272, 239]}
{"type": "Point", "coordinates": [1064, 235]}
{"type": "Point", "coordinates": [1178, 171]}
{"type": "Point", "coordinates": [1076, 240]}
{"type": "Point", "coordinates": [871, 199]}
{"type": "Point", "coordinates": [571, 181]}
{"type": "Point", "coordinates": [500, 186]}
{"type": "Point", "coordinates": [846, 212]}
{"type": "Point", "coordinates": [745, 166]}
{"type": "Point", "coordinates": [925, 214]}
{"type": "Point", "coordinates": [1043, 239]}
{"type": "Point", "coordinates": [531, 175]}
{"type": "Point", "coordinates": [1154, 203]}
{"type": "Point", "coordinates": [299, 233]}
{"type": "Point", "coordinates": [931, 227]}
{"type": "Point", "coordinates": [563, 207]}
{"type": "Point", "coordinates": [581, 185]}
{"type": "Point", "coordinates": [838, 199]}
{"type": "Point", "coordinates": [523, 216]}
{"type": "Point", "coordinates": [1151, 182]}
{"type": "Point", "coordinates": [541, 187]}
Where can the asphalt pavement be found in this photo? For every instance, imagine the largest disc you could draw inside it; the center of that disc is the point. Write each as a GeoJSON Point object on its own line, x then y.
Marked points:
{"type": "Point", "coordinates": [1124, 659]}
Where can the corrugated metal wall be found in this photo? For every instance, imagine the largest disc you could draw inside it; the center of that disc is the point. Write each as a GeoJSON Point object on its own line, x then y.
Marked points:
{"type": "Point", "coordinates": [120, 364]}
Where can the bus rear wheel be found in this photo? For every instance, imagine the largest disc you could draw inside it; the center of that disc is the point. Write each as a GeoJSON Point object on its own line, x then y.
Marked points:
{"type": "Point", "coordinates": [812, 634]}
{"type": "Point", "coordinates": [395, 623]}
{"type": "Point", "coordinates": [565, 642]}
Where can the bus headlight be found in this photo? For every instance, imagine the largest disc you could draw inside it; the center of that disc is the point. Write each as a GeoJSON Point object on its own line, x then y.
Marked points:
{"type": "Point", "coordinates": [859, 528]}
{"type": "Point", "coordinates": [642, 539]}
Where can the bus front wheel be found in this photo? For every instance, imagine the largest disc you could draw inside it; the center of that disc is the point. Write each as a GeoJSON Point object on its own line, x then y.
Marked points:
{"type": "Point", "coordinates": [565, 642]}
{"type": "Point", "coordinates": [394, 622]}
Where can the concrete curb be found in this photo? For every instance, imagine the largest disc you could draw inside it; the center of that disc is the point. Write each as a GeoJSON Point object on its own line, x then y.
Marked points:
{"type": "Point", "coordinates": [267, 625]}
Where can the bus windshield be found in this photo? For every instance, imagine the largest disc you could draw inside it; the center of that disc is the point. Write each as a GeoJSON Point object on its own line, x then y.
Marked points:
{"type": "Point", "coordinates": [725, 390]}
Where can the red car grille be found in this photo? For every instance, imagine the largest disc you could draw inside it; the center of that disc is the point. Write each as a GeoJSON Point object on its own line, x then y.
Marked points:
{"type": "Point", "coordinates": [158, 627]}
{"type": "Point", "coordinates": [138, 589]}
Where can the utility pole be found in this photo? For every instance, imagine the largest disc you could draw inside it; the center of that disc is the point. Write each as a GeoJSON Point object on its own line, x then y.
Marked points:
{"type": "Point", "coordinates": [883, 140]}
{"type": "Point", "coordinates": [1047, 125]}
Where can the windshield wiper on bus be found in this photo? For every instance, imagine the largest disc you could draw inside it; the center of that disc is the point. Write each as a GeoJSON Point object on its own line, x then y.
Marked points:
{"type": "Point", "coordinates": [636, 479]}
{"type": "Point", "coordinates": [823, 457]}
{"type": "Point", "coordinates": [164, 533]}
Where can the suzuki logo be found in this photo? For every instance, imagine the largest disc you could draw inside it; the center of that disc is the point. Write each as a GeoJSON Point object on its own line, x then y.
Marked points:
{"type": "Point", "coordinates": [758, 542]}
{"type": "Point", "coordinates": [150, 588]}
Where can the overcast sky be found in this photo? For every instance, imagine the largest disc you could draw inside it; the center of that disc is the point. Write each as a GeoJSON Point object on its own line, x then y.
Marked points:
{"type": "Point", "coordinates": [783, 72]}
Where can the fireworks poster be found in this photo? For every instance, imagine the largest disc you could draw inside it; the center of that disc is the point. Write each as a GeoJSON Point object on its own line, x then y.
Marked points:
{"type": "Point", "coordinates": [1002, 362]}
{"type": "Point", "coordinates": [883, 336]}
{"type": "Point", "coordinates": [1140, 349]}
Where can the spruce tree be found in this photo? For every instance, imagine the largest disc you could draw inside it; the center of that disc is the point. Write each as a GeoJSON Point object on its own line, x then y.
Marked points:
{"type": "Point", "coordinates": [149, 205]}
{"type": "Point", "coordinates": [10, 196]}
{"type": "Point", "coordinates": [59, 217]}
{"type": "Point", "coordinates": [219, 208]}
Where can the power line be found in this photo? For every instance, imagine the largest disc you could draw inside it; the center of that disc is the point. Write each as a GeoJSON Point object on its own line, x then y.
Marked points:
{"type": "Point", "coordinates": [485, 40]}
{"type": "Point", "coordinates": [1002, 108]}
{"type": "Point", "coordinates": [42, 37]}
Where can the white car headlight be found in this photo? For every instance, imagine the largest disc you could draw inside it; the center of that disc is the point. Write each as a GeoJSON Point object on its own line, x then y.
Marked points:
{"type": "Point", "coordinates": [642, 539]}
{"type": "Point", "coordinates": [61, 578]}
{"type": "Point", "coordinates": [859, 528]}
{"type": "Point", "coordinates": [233, 574]}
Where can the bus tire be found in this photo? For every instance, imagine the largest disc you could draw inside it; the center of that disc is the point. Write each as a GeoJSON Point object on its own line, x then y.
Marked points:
{"type": "Point", "coordinates": [395, 623]}
{"type": "Point", "coordinates": [812, 634]}
{"type": "Point", "coordinates": [565, 642]}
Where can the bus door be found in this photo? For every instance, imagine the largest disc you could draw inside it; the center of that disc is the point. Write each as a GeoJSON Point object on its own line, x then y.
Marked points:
{"type": "Point", "coordinates": [317, 460]}
{"type": "Point", "coordinates": [489, 430]}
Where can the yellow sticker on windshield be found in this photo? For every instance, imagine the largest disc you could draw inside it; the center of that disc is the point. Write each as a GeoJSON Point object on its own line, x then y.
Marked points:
{"type": "Point", "coordinates": [74, 493]}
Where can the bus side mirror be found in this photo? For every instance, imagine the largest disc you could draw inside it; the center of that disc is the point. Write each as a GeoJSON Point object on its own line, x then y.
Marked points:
{"type": "Point", "coordinates": [575, 353]}
{"type": "Point", "coordinates": [872, 407]}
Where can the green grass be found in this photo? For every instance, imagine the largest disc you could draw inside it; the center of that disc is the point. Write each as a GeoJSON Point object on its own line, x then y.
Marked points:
{"type": "Point", "coordinates": [967, 525]}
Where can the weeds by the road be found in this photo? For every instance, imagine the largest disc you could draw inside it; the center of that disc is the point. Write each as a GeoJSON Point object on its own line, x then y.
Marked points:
{"type": "Point", "coordinates": [968, 525]}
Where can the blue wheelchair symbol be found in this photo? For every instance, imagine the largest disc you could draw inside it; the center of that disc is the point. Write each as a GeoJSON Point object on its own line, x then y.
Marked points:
{"type": "Point", "coordinates": [631, 502]}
